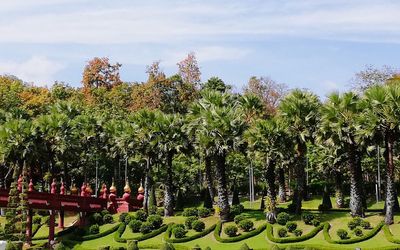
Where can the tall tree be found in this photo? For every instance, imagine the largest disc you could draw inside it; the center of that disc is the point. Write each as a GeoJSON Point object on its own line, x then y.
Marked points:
{"type": "Point", "coordinates": [99, 72]}
{"type": "Point", "coordinates": [189, 69]}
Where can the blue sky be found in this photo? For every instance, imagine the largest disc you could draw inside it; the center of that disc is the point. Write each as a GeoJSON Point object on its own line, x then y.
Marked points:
{"type": "Point", "coordinates": [314, 44]}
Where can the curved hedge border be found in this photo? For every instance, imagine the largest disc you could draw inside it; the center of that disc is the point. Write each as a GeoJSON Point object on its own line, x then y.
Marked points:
{"type": "Point", "coordinates": [167, 235]}
{"type": "Point", "coordinates": [312, 233]}
{"type": "Point", "coordinates": [99, 235]}
{"type": "Point", "coordinates": [218, 229]}
{"type": "Point", "coordinates": [389, 235]}
{"type": "Point", "coordinates": [122, 227]}
{"type": "Point", "coordinates": [367, 236]}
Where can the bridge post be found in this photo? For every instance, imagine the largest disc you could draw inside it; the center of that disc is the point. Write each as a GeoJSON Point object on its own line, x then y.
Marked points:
{"type": "Point", "coordinates": [82, 219]}
{"type": "Point", "coordinates": [51, 227]}
{"type": "Point", "coordinates": [29, 227]}
{"type": "Point", "coordinates": [61, 218]}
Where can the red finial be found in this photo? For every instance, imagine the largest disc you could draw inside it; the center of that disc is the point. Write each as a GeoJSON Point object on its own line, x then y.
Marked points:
{"type": "Point", "coordinates": [53, 187]}
{"type": "Point", "coordinates": [62, 189]}
{"type": "Point", "coordinates": [19, 183]}
{"type": "Point", "coordinates": [31, 186]}
{"type": "Point", "coordinates": [83, 189]}
{"type": "Point", "coordinates": [104, 191]}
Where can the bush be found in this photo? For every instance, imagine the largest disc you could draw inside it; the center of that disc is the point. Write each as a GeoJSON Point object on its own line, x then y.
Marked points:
{"type": "Point", "coordinates": [122, 217]}
{"type": "Point", "coordinates": [291, 226]}
{"type": "Point", "coordinates": [128, 218]}
{"type": "Point", "coordinates": [167, 246]}
{"type": "Point", "coordinates": [282, 218]}
{"type": "Point", "coordinates": [231, 230]}
{"type": "Point", "coordinates": [357, 221]}
{"type": "Point", "coordinates": [141, 215]}
{"type": "Point", "coordinates": [351, 224]}
{"type": "Point", "coordinates": [190, 211]}
{"type": "Point", "coordinates": [135, 225]}
{"type": "Point", "coordinates": [198, 225]}
{"type": "Point", "coordinates": [108, 219]}
{"type": "Point", "coordinates": [160, 211]}
{"type": "Point", "coordinates": [246, 225]}
{"type": "Point", "coordinates": [358, 232]}
{"type": "Point", "coordinates": [244, 247]}
{"type": "Point", "coordinates": [60, 246]}
{"type": "Point", "coordinates": [316, 222]}
{"type": "Point", "coordinates": [308, 218]}
{"type": "Point", "coordinates": [365, 224]}
{"type": "Point", "coordinates": [237, 209]}
{"type": "Point", "coordinates": [297, 232]}
{"type": "Point", "coordinates": [179, 232]}
{"type": "Point", "coordinates": [189, 220]}
{"type": "Point", "coordinates": [132, 245]}
{"type": "Point", "coordinates": [96, 218]}
{"type": "Point", "coordinates": [94, 229]}
{"type": "Point", "coordinates": [342, 234]}
{"type": "Point", "coordinates": [282, 232]}
{"type": "Point", "coordinates": [239, 218]}
{"type": "Point", "coordinates": [9, 228]}
{"type": "Point", "coordinates": [155, 220]}
{"type": "Point", "coordinates": [146, 227]}
{"type": "Point", "coordinates": [104, 212]}
{"type": "Point", "coordinates": [37, 219]}
{"type": "Point", "coordinates": [178, 225]}
{"type": "Point", "coordinates": [204, 212]}
{"type": "Point", "coordinates": [291, 208]}
{"type": "Point", "coordinates": [11, 246]}
{"type": "Point", "coordinates": [79, 231]}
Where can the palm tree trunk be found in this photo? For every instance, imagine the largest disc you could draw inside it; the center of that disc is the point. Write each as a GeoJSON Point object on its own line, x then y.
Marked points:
{"type": "Point", "coordinates": [147, 186]}
{"type": "Point", "coordinates": [169, 194]}
{"type": "Point", "coordinates": [282, 190]}
{"type": "Point", "coordinates": [209, 178]}
{"type": "Point", "coordinates": [300, 175]}
{"type": "Point", "coordinates": [223, 200]}
{"type": "Point", "coordinates": [390, 188]}
{"type": "Point", "coordinates": [339, 189]}
{"type": "Point", "coordinates": [271, 192]}
{"type": "Point", "coordinates": [356, 195]}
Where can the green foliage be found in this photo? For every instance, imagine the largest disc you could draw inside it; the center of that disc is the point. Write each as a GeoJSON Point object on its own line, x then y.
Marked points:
{"type": "Point", "coordinates": [304, 237]}
{"type": "Point", "coordinates": [208, 203]}
{"type": "Point", "coordinates": [231, 230]}
{"type": "Point", "coordinates": [104, 212]}
{"type": "Point", "coordinates": [316, 222]}
{"type": "Point", "coordinates": [342, 233]}
{"type": "Point", "coordinates": [108, 219]}
{"type": "Point", "coordinates": [179, 232]}
{"type": "Point", "coordinates": [196, 247]}
{"type": "Point", "coordinates": [291, 226]}
{"type": "Point", "coordinates": [297, 232]}
{"type": "Point", "coordinates": [358, 232]}
{"type": "Point", "coordinates": [189, 220]}
{"type": "Point", "coordinates": [94, 229]}
{"type": "Point", "coordinates": [237, 209]}
{"type": "Point", "coordinates": [127, 219]}
{"type": "Point", "coordinates": [155, 220]}
{"type": "Point", "coordinates": [37, 219]}
{"type": "Point", "coordinates": [282, 218]}
{"type": "Point", "coordinates": [308, 218]}
{"type": "Point", "coordinates": [198, 225]}
{"type": "Point", "coordinates": [244, 247]}
{"type": "Point", "coordinates": [365, 224]}
{"type": "Point", "coordinates": [96, 218]}
{"type": "Point", "coordinates": [11, 246]}
{"type": "Point", "coordinates": [235, 198]}
{"type": "Point", "coordinates": [239, 218]}
{"type": "Point", "coordinates": [132, 245]}
{"type": "Point", "coordinates": [135, 225]}
{"type": "Point", "coordinates": [204, 212]}
{"type": "Point", "coordinates": [351, 225]}
{"type": "Point", "coordinates": [246, 225]}
{"type": "Point", "coordinates": [141, 215]}
{"type": "Point", "coordinates": [282, 232]}
{"type": "Point", "coordinates": [167, 246]}
{"type": "Point", "coordinates": [168, 233]}
{"type": "Point", "coordinates": [190, 211]}
{"type": "Point", "coordinates": [146, 227]}
{"type": "Point", "coordinates": [122, 217]}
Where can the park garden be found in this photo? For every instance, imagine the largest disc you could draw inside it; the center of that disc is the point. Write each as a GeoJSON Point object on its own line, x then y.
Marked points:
{"type": "Point", "coordinates": [176, 163]}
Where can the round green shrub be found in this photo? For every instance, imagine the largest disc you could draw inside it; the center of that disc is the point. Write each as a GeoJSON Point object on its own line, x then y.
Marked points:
{"type": "Point", "coordinates": [282, 218]}
{"type": "Point", "coordinates": [96, 218]}
{"type": "Point", "coordinates": [37, 219]}
{"type": "Point", "coordinates": [146, 227]}
{"type": "Point", "coordinates": [161, 211]}
{"type": "Point", "coordinates": [128, 218]}
{"type": "Point", "coordinates": [246, 225]}
{"type": "Point", "coordinates": [167, 246]}
{"type": "Point", "coordinates": [207, 248]}
{"type": "Point", "coordinates": [60, 246]}
{"type": "Point", "coordinates": [152, 210]}
{"type": "Point", "coordinates": [316, 222]}
{"type": "Point", "coordinates": [297, 232]}
{"type": "Point", "coordinates": [231, 230]}
{"type": "Point", "coordinates": [343, 234]}
{"type": "Point", "coordinates": [94, 229]}
{"type": "Point", "coordinates": [282, 232]}
{"type": "Point", "coordinates": [308, 218]}
{"type": "Point", "coordinates": [11, 246]}
{"type": "Point", "coordinates": [198, 225]}
{"type": "Point", "coordinates": [357, 220]}
{"type": "Point", "coordinates": [135, 225]}
{"type": "Point", "coordinates": [238, 218]}
{"type": "Point", "coordinates": [190, 211]}
{"type": "Point", "coordinates": [122, 217]}
{"type": "Point", "coordinates": [351, 224]}
{"type": "Point", "coordinates": [358, 232]}
{"type": "Point", "coordinates": [291, 226]}
{"type": "Point", "coordinates": [178, 225]}
{"type": "Point", "coordinates": [204, 212]}
{"type": "Point", "coordinates": [141, 215]}
{"type": "Point", "coordinates": [179, 232]}
{"type": "Point", "coordinates": [155, 220]}
{"type": "Point", "coordinates": [104, 212]}
{"type": "Point", "coordinates": [237, 209]}
{"type": "Point", "coordinates": [365, 224]}
{"type": "Point", "coordinates": [189, 220]}
{"type": "Point", "coordinates": [108, 219]}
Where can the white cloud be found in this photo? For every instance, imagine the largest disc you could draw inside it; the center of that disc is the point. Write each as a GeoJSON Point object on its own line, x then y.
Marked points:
{"type": "Point", "coordinates": [39, 70]}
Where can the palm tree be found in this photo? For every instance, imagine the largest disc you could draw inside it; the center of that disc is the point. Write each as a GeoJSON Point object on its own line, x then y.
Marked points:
{"type": "Point", "coordinates": [340, 123]}
{"type": "Point", "coordinates": [382, 122]}
{"type": "Point", "coordinates": [299, 110]}
{"type": "Point", "coordinates": [217, 125]}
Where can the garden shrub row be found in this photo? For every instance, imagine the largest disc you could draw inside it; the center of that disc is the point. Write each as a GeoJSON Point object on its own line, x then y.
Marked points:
{"type": "Point", "coordinates": [367, 236]}
{"type": "Point", "coordinates": [218, 228]}
{"type": "Point", "coordinates": [389, 235]}
{"type": "Point", "coordinates": [98, 235]}
{"type": "Point", "coordinates": [167, 235]}
{"type": "Point", "coordinates": [304, 237]}
{"type": "Point", "coordinates": [122, 227]}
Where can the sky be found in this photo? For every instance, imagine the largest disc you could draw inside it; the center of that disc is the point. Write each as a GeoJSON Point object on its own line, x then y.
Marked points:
{"type": "Point", "coordinates": [312, 44]}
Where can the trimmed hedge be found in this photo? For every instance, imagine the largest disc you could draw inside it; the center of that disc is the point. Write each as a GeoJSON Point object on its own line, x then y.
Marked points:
{"type": "Point", "coordinates": [367, 236]}
{"type": "Point", "coordinates": [270, 235]}
{"type": "Point", "coordinates": [122, 227]}
{"type": "Point", "coordinates": [167, 235]}
{"type": "Point", "coordinates": [389, 235]}
{"type": "Point", "coordinates": [218, 228]}
{"type": "Point", "coordinates": [99, 235]}
{"type": "Point", "coordinates": [61, 233]}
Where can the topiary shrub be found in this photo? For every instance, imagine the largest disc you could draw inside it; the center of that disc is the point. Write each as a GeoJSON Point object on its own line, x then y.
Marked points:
{"type": "Point", "coordinates": [161, 211]}
{"type": "Point", "coordinates": [282, 218]}
{"type": "Point", "coordinates": [104, 212]}
{"type": "Point", "coordinates": [246, 225]}
{"type": "Point", "coordinates": [132, 245]}
{"type": "Point", "coordinates": [96, 218]}
{"type": "Point", "coordinates": [108, 219]}
{"type": "Point", "coordinates": [155, 220]}
{"type": "Point", "coordinates": [135, 225]}
{"type": "Point", "coordinates": [94, 229]}
{"type": "Point", "coordinates": [298, 232]}
{"type": "Point", "coordinates": [239, 218]}
{"type": "Point", "coordinates": [167, 246]}
{"type": "Point", "coordinates": [204, 212]}
{"type": "Point", "coordinates": [128, 218]}
{"type": "Point", "coordinates": [11, 246]}
{"type": "Point", "coordinates": [244, 247]}
{"type": "Point", "coordinates": [178, 225]}
{"type": "Point", "coordinates": [141, 215]}
{"type": "Point", "coordinates": [237, 209]}
{"type": "Point", "coordinates": [146, 227]}
{"type": "Point", "coordinates": [122, 217]}
{"type": "Point", "coordinates": [198, 226]}
{"type": "Point", "coordinates": [189, 220]}
{"type": "Point", "coordinates": [358, 232]}
{"type": "Point", "coordinates": [352, 225]}
{"type": "Point", "coordinates": [308, 218]}
{"type": "Point", "coordinates": [282, 232]}
{"type": "Point", "coordinates": [190, 211]}
{"type": "Point", "coordinates": [37, 219]}
{"type": "Point", "coordinates": [343, 234]}
{"type": "Point", "coordinates": [365, 224]}
{"type": "Point", "coordinates": [60, 246]}
{"type": "Point", "coordinates": [316, 222]}
{"type": "Point", "coordinates": [291, 226]}
{"type": "Point", "coordinates": [231, 230]}
{"type": "Point", "coordinates": [357, 220]}
{"type": "Point", "coordinates": [152, 210]}
{"type": "Point", "coordinates": [179, 232]}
